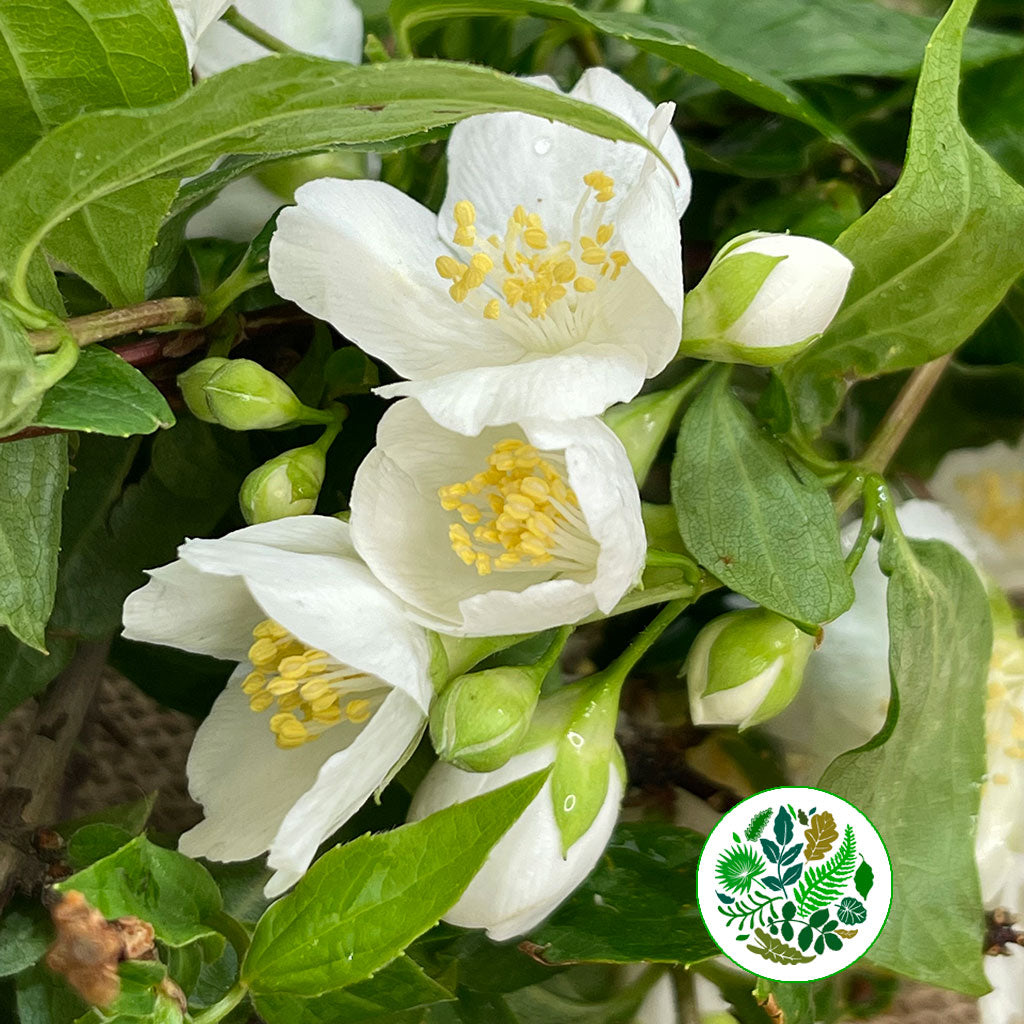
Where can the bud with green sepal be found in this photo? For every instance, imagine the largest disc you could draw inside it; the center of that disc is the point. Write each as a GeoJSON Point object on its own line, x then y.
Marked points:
{"type": "Point", "coordinates": [745, 667]}
{"type": "Point", "coordinates": [481, 719]}
{"type": "Point", "coordinates": [764, 299]}
{"type": "Point", "coordinates": [289, 484]}
{"type": "Point", "coordinates": [242, 395]}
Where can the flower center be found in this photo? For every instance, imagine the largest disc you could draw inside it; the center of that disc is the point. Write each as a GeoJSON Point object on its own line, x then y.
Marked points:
{"type": "Point", "coordinates": [535, 517]}
{"type": "Point", "coordinates": [526, 268]}
{"type": "Point", "coordinates": [307, 685]}
{"type": "Point", "coordinates": [998, 501]}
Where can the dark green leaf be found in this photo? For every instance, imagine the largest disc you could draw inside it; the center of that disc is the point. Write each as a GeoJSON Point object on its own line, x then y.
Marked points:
{"type": "Point", "coordinates": [103, 394]}
{"type": "Point", "coordinates": [783, 827]}
{"type": "Point", "coordinates": [993, 112]}
{"type": "Point", "coordinates": [131, 817]}
{"type": "Point", "coordinates": [798, 39]}
{"type": "Point", "coordinates": [94, 842]}
{"type": "Point", "coordinates": [760, 523]}
{"type": "Point", "coordinates": [734, 70]}
{"type": "Point", "coordinates": [350, 372]}
{"type": "Point", "coordinates": [283, 103]}
{"type": "Point", "coordinates": [932, 259]}
{"type": "Point", "coordinates": [25, 935]}
{"type": "Point", "coordinates": [33, 477]}
{"type": "Point", "coordinates": [639, 903]}
{"type": "Point", "coordinates": [864, 879]}
{"type": "Point", "coordinates": [174, 894]}
{"type": "Point", "coordinates": [401, 985]}
{"type": "Point", "coordinates": [362, 903]}
{"type": "Point", "coordinates": [44, 998]}
{"type": "Point", "coordinates": [934, 929]}
{"type": "Point", "coordinates": [24, 671]}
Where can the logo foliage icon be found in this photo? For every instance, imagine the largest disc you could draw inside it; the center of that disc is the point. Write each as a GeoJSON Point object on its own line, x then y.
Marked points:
{"type": "Point", "coordinates": [794, 884]}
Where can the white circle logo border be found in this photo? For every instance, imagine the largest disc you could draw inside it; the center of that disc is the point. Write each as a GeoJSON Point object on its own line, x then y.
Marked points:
{"type": "Point", "coordinates": [794, 884]}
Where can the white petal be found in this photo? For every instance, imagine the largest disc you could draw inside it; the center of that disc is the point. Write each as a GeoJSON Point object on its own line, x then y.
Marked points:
{"type": "Point", "coordinates": [182, 607]}
{"type": "Point", "coordinates": [974, 483]}
{"type": "Point", "coordinates": [195, 17]}
{"type": "Point", "coordinates": [245, 782]}
{"type": "Point", "coordinates": [581, 381]}
{"type": "Point", "coordinates": [360, 255]}
{"type": "Point", "coordinates": [501, 160]}
{"type": "Point", "coordinates": [310, 535]}
{"type": "Point", "coordinates": [324, 28]}
{"type": "Point", "coordinates": [525, 877]}
{"type": "Point", "coordinates": [659, 1005]}
{"type": "Point", "coordinates": [331, 603]}
{"type": "Point", "coordinates": [239, 212]}
{"type": "Point", "coordinates": [1005, 1004]}
{"type": "Point", "coordinates": [344, 783]}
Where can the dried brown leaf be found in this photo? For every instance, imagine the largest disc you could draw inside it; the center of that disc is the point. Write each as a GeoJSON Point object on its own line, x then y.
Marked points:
{"type": "Point", "coordinates": [820, 836]}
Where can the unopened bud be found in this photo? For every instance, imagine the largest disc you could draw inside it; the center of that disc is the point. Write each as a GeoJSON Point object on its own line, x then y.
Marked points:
{"type": "Point", "coordinates": [643, 424]}
{"type": "Point", "coordinates": [764, 299]}
{"type": "Point", "coordinates": [479, 721]}
{"type": "Point", "coordinates": [745, 667]}
{"type": "Point", "coordinates": [240, 395]}
{"type": "Point", "coordinates": [287, 485]}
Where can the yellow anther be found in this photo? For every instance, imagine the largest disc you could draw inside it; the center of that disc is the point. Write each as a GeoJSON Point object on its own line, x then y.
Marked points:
{"type": "Point", "coordinates": [483, 565]}
{"type": "Point", "coordinates": [554, 293]}
{"type": "Point", "coordinates": [604, 233]}
{"type": "Point", "coordinates": [1001, 779]}
{"type": "Point", "coordinates": [564, 271]}
{"type": "Point", "coordinates": [358, 710]}
{"type": "Point", "coordinates": [279, 686]}
{"type": "Point", "coordinates": [264, 652]}
{"type": "Point", "coordinates": [253, 683]}
{"type": "Point", "coordinates": [519, 505]}
{"type": "Point", "coordinates": [604, 195]}
{"type": "Point", "coordinates": [598, 179]}
{"type": "Point", "coordinates": [465, 236]}
{"type": "Point", "coordinates": [594, 256]}
{"type": "Point", "coordinates": [261, 701]}
{"type": "Point", "coordinates": [470, 513]}
{"type": "Point", "coordinates": [584, 284]}
{"type": "Point", "coordinates": [449, 268]}
{"type": "Point", "coordinates": [459, 290]}
{"type": "Point", "coordinates": [465, 213]}
{"type": "Point", "coordinates": [270, 630]}
{"type": "Point", "coordinates": [540, 524]}
{"type": "Point", "coordinates": [492, 310]}
{"type": "Point", "coordinates": [294, 667]}
{"type": "Point", "coordinates": [482, 263]}
{"type": "Point", "coordinates": [328, 716]}
{"type": "Point", "coordinates": [290, 701]}
{"type": "Point", "coordinates": [519, 216]}
{"type": "Point", "coordinates": [507, 560]}
{"type": "Point", "coordinates": [314, 689]}
{"type": "Point", "coordinates": [494, 240]}
{"type": "Point", "coordinates": [465, 553]}
{"type": "Point", "coordinates": [534, 487]}
{"type": "Point", "coordinates": [536, 238]}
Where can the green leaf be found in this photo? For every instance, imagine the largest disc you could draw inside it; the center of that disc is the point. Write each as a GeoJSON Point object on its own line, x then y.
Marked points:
{"type": "Point", "coordinates": [824, 883]}
{"type": "Point", "coordinates": [993, 112]}
{"type": "Point", "coordinates": [104, 395]}
{"type": "Point", "coordinates": [639, 903]}
{"type": "Point", "coordinates": [362, 903]}
{"type": "Point", "coordinates": [932, 259]}
{"type": "Point", "coordinates": [283, 103]}
{"type": "Point", "coordinates": [759, 522]}
{"type": "Point", "coordinates": [44, 998]}
{"type": "Point", "coordinates": [174, 894]}
{"type": "Point", "coordinates": [33, 477]}
{"type": "Point", "coordinates": [934, 929]}
{"type": "Point", "coordinates": [400, 985]}
{"type": "Point", "coordinates": [24, 938]}
{"type": "Point", "coordinates": [733, 70]}
{"type": "Point", "coordinates": [776, 950]}
{"type": "Point", "coordinates": [864, 879]}
{"type": "Point", "coordinates": [94, 842]}
{"type": "Point", "coordinates": [24, 671]}
{"type": "Point", "coordinates": [60, 58]}
{"type": "Point", "coordinates": [801, 39]}
{"type": "Point", "coordinates": [131, 817]}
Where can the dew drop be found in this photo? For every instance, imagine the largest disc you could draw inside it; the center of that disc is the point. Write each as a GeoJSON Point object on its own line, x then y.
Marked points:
{"type": "Point", "coordinates": [570, 802]}
{"type": "Point", "coordinates": [575, 739]}
{"type": "Point", "coordinates": [542, 146]}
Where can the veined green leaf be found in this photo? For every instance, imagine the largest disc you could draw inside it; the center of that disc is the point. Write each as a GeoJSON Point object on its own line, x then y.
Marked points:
{"type": "Point", "coordinates": [33, 477]}
{"type": "Point", "coordinates": [759, 522]}
{"type": "Point", "coordinates": [362, 903]}
{"type": "Point", "coordinates": [282, 104]}
{"type": "Point", "coordinates": [925, 815]}
{"type": "Point", "coordinates": [59, 58]}
{"type": "Point", "coordinates": [174, 894]}
{"type": "Point", "coordinates": [931, 259]}
{"type": "Point", "coordinates": [735, 71]}
{"type": "Point", "coordinates": [104, 395]}
{"type": "Point", "coordinates": [803, 39]}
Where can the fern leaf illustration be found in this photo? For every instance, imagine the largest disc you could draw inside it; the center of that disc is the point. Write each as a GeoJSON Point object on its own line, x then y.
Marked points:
{"type": "Point", "coordinates": [757, 824]}
{"type": "Point", "coordinates": [823, 884]}
{"type": "Point", "coordinates": [820, 836]}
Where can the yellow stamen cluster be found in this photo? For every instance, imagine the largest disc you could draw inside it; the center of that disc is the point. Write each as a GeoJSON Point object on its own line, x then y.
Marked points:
{"type": "Point", "coordinates": [998, 502]}
{"type": "Point", "coordinates": [1005, 715]}
{"type": "Point", "coordinates": [536, 272]}
{"type": "Point", "coordinates": [534, 517]}
{"type": "Point", "coordinates": [306, 685]}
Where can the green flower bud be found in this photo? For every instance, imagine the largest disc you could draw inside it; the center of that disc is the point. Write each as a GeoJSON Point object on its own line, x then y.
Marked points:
{"type": "Point", "coordinates": [745, 667]}
{"type": "Point", "coordinates": [642, 426]}
{"type": "Point", "coordinates": [764, 299]}
{"type": "Point", "coordinates": [287, 485]}
{"type": "Point", "coordinates": [480, 720]}
{"type": "Point", "coordinates": [242, 395]}
{"type": "Point", "coordinates": [192, 383]}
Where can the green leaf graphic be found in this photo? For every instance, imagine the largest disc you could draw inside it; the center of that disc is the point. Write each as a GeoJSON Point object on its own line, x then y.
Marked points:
{"type": "Point", "coordinates": [777, 951]}
{"type": "Point", "coordinates": [864, 879]}
{"type": "Point", "coordinates": [783, 827]}
{"type": "Point", "coordinates": [758, 823]}
{"type": "Point", "coordinates": [824, 884]}
{"type": "Point", "coordinates": [851, 911]}
{"type": "Point", "coordinates": [737, 868]}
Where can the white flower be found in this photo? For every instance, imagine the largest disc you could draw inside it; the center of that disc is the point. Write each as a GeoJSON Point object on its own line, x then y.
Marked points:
{"type": "Point", "coordinates": [549, 286]}
{"type": "Point", "coordinates": [332, 648]}
{"type": "Point", "coordinates": [793, 306]}
{"type": "Point", "coordinates": [524, 527]}
{"type": "Point", "coordinates": [324, 28]}
{"type": "Point", "coordinates": [985, 489]}
{"type": "Point", "coordinates": [524, 877]}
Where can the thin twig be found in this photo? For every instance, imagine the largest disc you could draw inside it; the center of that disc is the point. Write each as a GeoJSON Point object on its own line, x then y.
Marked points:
{"type": "Point", "coordinates": [894, 427]}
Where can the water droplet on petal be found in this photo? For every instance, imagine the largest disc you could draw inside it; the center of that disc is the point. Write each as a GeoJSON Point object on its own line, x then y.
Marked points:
{"type": "Point", "coordinates": [542, 146]}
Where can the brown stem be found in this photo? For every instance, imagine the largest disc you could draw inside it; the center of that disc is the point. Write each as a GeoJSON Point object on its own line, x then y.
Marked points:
{"type": "Point", "coordinates": [112, 323]}
{"type": "Point", "coordinates": [32, 793]}
{"type": "Point", "coordinates": [894, 427]}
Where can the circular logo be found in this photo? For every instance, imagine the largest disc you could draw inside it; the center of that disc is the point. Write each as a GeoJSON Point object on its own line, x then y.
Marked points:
{"type": "Point", "coordinates": [794, 884]}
